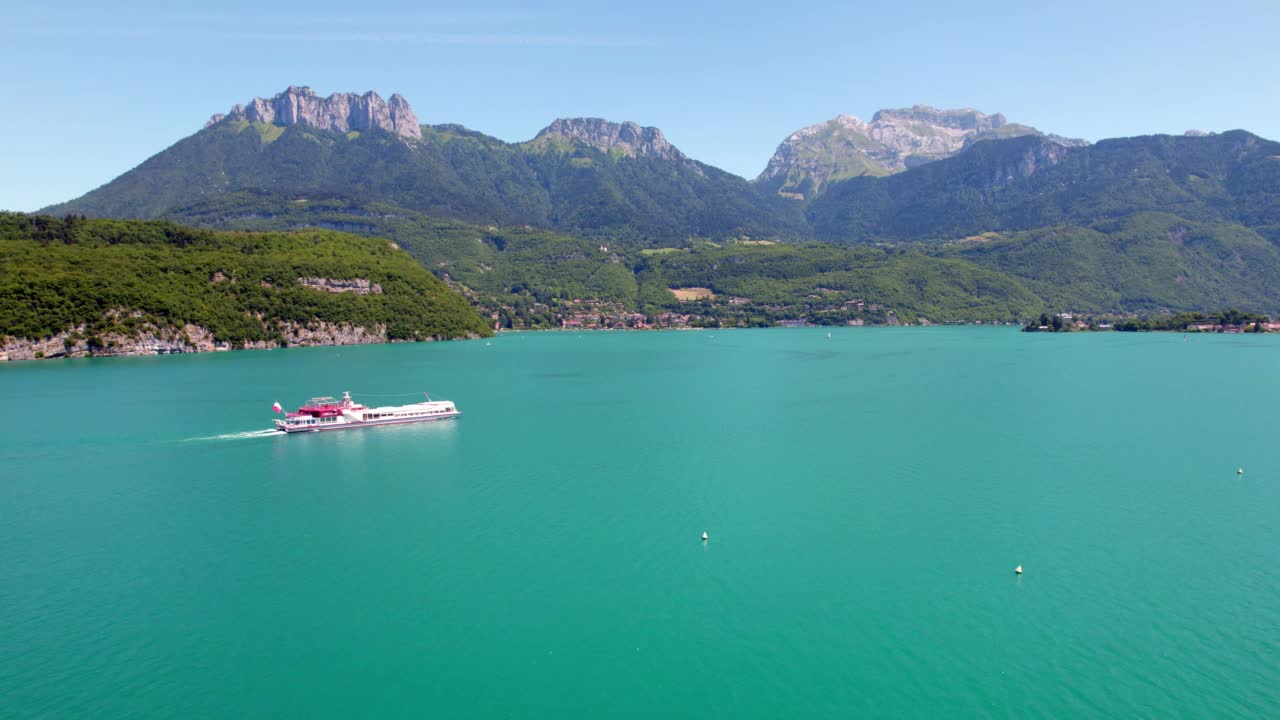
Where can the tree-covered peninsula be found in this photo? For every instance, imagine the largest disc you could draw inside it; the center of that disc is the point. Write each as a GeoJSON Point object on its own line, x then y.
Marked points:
{"type": "Point", "coordinates": [71, 286]}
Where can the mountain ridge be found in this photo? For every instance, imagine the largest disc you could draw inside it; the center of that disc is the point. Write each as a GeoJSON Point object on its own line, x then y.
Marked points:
{"type": "Point", "coordinates": [585, 176]}
{"type": "Point", "coordinates": [894, 141]}
{"type": "Point", "coordinates": [340, 111]}
{"type": "Point", "coordinates": [629, 138]}
{"type": "Point", "coordinates": [1029, 182]}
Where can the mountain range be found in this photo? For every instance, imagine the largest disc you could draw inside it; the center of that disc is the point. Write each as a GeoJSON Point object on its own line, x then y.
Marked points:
{"type": "Point", "coordinates": [584, 176]}
{"type": "Point", "coordinates": [1067, 221]}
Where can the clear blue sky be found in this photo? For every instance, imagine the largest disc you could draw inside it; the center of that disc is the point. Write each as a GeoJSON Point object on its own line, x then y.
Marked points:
{"type": "Point", "coordinates": [93, 89]}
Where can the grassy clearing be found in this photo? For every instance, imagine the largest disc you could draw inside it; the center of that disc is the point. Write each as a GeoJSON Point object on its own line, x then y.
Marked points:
{"type": "Point", "coordinates": [692, 293]}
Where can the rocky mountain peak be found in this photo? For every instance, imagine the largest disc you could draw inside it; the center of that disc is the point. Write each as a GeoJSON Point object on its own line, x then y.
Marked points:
{"type": "Point", "coordinates": [344, 112]}
{"type": "Point", "coordinates": [628, 137]}
{"type": "Point", "coordinates": [848, 122]}
{"type": "Point", "coordinates": [894, 140]}
{"type": "Point", "coordinates": [963, 119]}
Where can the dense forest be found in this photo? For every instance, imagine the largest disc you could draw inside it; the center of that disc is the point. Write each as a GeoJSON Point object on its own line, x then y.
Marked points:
{"type": "Point", "coordinates": [1032, 182]}
{"type": "Point", "coordinates": [530, 271]}
{"type": "Point", "coordinates": [118, 276]}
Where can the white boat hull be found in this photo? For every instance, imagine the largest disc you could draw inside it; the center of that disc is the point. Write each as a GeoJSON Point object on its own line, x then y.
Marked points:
{"type": "Point", "coordinates": [325, 413]}
{"type": "Point", "coordinates": [345, 424]}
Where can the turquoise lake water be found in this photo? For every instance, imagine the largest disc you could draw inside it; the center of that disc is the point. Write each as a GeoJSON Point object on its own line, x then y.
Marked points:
{"type": "Point", "coordinates": [867, 498]}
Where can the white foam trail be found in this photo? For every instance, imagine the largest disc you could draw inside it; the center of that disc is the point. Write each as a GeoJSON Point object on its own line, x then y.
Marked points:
{"type": "Point", "coordinates": [239, 435]}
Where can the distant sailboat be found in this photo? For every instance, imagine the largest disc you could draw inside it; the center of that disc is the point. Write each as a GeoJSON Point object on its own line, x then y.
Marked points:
{"type": "Point", "coordinates": [828, 336]}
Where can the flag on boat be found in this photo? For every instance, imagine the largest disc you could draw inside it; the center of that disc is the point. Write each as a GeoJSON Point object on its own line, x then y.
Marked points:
{"type": "Point", "coordinates": [275, 406]}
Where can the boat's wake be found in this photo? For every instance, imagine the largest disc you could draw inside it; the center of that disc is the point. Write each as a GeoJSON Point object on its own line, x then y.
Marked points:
{"type": "Point", "coordinates": [238, 436]}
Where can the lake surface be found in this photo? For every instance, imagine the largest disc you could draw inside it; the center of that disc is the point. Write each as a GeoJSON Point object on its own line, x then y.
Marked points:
{"type": "Point", "coordinates": [867, 498]}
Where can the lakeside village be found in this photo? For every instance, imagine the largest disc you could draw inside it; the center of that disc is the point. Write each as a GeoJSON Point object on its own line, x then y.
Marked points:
{"type": "Point", "coordinates": [1226, 321]}
{"type": "Point", "coordinates": [698, 308]}
{"type": "Point", "coordinates": [694, 308]}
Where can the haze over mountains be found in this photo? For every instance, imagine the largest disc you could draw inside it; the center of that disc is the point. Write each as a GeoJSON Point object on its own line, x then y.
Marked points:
{"type": "Point", "coordinates": [1145, 223]}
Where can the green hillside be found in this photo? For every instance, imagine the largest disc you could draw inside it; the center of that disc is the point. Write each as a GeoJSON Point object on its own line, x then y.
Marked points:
{"type": "Point", "coordinates": [450, 173]}
{"type": "Point", "coordinates": [518, 267]}
{"type": "Point", "coordinates": [121, 276]}
{"type": "Point", "coordinates": [1146, 262]}
{"type": "Point", "coordinates": [489, 261]}
{"type": "Point", "coordinates": [1142, 263]}
{"type": "Point", "coordinates": [829, 284]}
{"type": "Point", "coordinates": [1031, 182]}
{"type": "Point", "coordinates": [1147, 224]}
{"type": "Point", "coordinates": [651, 200]}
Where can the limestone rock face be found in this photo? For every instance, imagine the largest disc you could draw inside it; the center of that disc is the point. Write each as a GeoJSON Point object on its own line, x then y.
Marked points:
{"type": "Point", "coordinates": [965, 119]}
{"type": "Point", "coordinates": [893, 141]}
{"type": "Point", "coordinates": [923, 132]}
{"type": "Point", "coordinates": [627, 137]}
{"type": "Point", "coordinates": [343, 112]}
{"type": "Point", "coordinates": [355, 286]}
{"type": "Point", "coordinates": [151, 340]}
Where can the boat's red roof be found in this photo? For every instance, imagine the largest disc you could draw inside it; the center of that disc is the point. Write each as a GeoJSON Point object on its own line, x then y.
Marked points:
{"type": "Point", "coordinates": [324, 407]}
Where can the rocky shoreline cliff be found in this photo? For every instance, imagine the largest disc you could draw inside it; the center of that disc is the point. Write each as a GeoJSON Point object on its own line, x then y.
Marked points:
{"type": "Point", "coordinates": [76, 343]}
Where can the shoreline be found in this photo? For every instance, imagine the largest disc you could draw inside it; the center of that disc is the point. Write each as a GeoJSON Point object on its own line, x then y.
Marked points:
{"type": "Point", "coordinates": [140, 348]}
{"type": "Point", "coordinates": [83, 354]}
{"type": "Point", "coordinates": [188, 340]}
{"type": "Point", "coordinates": [193, 340]}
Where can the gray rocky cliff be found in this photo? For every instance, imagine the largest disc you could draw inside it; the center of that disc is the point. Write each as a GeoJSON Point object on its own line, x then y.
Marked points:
{"type": "Point", "coordinates": [629, 138]}
{"type": "Point", "coordinates": [964, 119]}
{"type": "Point", "coordinates": [342, 112]}
{"type": "Point", "coordinates": [1044, 153]}
{"type": "Point", "coordinates": [893, 141]}
{"type": "Point", "coordinates": [187, 339]}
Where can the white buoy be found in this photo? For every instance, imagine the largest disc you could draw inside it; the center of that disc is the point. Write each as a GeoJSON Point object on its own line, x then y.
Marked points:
{"type": "Point", "coordinates": [1018, 570]}
{"type": "Point", "coordinates": [704, 537]}
{"type": "Point", "coordinates": [1240, 471]}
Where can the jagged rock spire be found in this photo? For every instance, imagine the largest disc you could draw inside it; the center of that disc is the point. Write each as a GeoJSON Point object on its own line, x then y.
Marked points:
{"type": "Point", "coordinates": [340, 111]}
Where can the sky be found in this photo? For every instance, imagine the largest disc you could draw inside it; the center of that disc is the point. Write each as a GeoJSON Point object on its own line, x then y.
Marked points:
{"type": "Point", "coordinates": [92, 89]}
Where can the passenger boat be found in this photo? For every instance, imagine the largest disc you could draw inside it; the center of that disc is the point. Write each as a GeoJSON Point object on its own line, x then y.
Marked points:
{"type": "Point", "coordinates": [326, 413]}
